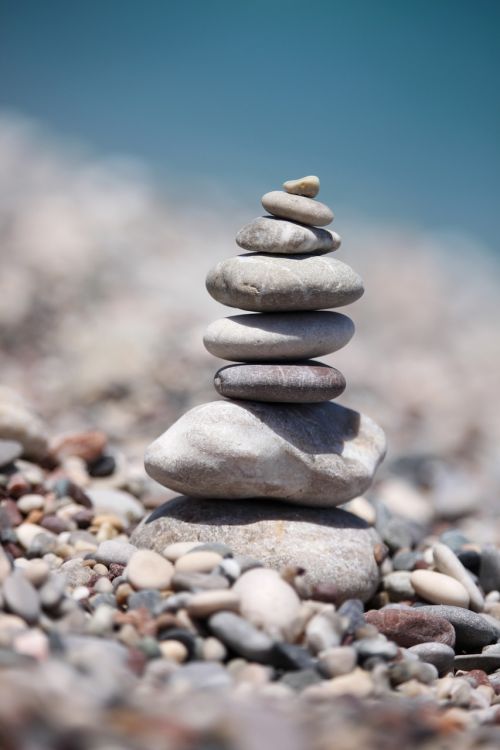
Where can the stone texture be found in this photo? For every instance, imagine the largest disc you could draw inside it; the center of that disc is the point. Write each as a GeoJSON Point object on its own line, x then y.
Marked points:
{"type": "Point", "coordinates": [447, 562]}
{"type": "Point", "coordinates": [473, 631]}
{"type": "Point", "coordinates": [278, 336]}
{"type": "Point", "coordinates": [303, 383]}
{"type": "Point", "coordinates": [297, 208]}
{"type": "Point", "coordinates": [267, 283]}
{"type": "Point", "coordinates": [120, 503]}
{"type": "Point", "coordinates": [241, 636]}
{"type": "Point", "coordinates": [408, 627]}
{"type": "Point", "coordinates": [333, 546]}
{"type": "Point", "coordinates": [308, 186]}
{"type": "Point", "coordinates": [309, 454]}
{"type": "Point", "coordinates": [266, 600]}
{"type": "Point", "coordinates": [439, 654]}
{"type": "Point", "coordinates": [438, 588]}
{"type": "Point", "coordinates": [149, 570]}
{"type": "Point", "coordinates": [21, 597]}
{"type": "Point", "coordinates": [487, 662]}
{"type": "Point", "coordinates": [268, 234]}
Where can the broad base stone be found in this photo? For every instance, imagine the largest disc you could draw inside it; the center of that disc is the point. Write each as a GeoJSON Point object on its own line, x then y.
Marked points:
{"type": "Point", "coordinates": [288, 336]}
{"type": "Point", "coordinates": [308, 454]}
{"type": "Point", "coordinates": [334, 547]}
{"type": "Point", "coordinates": [273, 283]}
{"type": "Point", "coordinates": [302, 383]}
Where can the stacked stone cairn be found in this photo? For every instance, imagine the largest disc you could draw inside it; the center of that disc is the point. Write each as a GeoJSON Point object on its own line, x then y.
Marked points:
{"type": "Point", "coordinates": [277, 436]}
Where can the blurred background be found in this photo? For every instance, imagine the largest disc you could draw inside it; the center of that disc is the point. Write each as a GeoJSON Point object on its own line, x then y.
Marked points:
{"type": "Point", "coordinates": [136, 138]}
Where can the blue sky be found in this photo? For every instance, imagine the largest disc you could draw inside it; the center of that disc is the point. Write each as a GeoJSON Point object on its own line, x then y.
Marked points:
{"type": "Point", "coordinates": [394, 103]}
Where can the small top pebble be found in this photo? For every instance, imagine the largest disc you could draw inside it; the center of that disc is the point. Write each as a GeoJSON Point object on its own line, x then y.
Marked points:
{"type": "Point", "coordinates": [307, 186]}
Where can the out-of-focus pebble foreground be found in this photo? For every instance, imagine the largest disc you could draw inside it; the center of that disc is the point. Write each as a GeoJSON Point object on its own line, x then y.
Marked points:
{"type": "Point", "coordinates": [102, 310]}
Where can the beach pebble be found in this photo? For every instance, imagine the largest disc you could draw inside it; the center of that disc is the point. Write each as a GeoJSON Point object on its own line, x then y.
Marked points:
{"type": "Point", "coordinates": [473, 631]}
{"type": "Point", "coordinates": [439, 654]}
{"type": "Point", "coordinates": [267, 283]}
{"type": "Point", "coordinates": [398, 585]}
{"type": "Point", "coordinates": [198, 582]}
{"type": "Point", "coordinates": [358, 683]}
{"type": "Point", "coordinates": [489, 570]}
{"type": "Point", "coordinates": [21, 597]}
{"type": "Point", "coordinates": [285, 383]}
{"type": "Point", "coordinates": [27, 532]}
{"type": "Point", "coordinates": [5, 565]}
{"type": "Point", "coordinates": [241, 636]}
{"type": "Point", "coordinates": [408, 627]}
{"type": "Point", "coordinates": [308, 454]}
{"type": "Point", "coordinates": [447, 562]}
{"type": "Point", "coordinates": [487, 662]}
{"type": "Point", "coordinates": [268, 234]}
{"type": "Point", "coordinates": [376, 647]}
{"type": "Point", "coordinates": [195, 561]}
{"type": "Point", "coordinates": [297, 208]}
{"type": "Point", "coordinates": [10, 450]}
{"type": "Point", "coordinates": [266, 600]}
{"type": "Point", "coordinates": [324, 631]}
{"type": "Point", "coordinates": [117, 502]}
{"type": "Point", "coordinates": [308, 186]}
{"type": "Point", "coordinates": [173, 551]}
{"type": "Point", "coordinates": [333, 546]}
{"type": "Point", "coordinates": [438, 588]}
{"type": "Point", "coordinates": [149, 570]}
{"type": "Point", "coordinates": [173, 650]}
{"type": "Point", "coordinates": [114, 551]}
{"type": "Point", "coordinates": [278, 336]}
{"type": "Point", "coordinates": [205, 603]}
{"type": "Point", "coordinates": [202, 676]}
{"type": "Point", "coordinates": [19, 424]}
{"type": "Point", "coordinates": [337, 660]}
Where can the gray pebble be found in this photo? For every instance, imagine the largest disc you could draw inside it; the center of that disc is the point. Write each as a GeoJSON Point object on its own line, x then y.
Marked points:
{"type": "Point", "coordinates": [454, 539]}
{"type": "Point", "coordinates": [198, 582]}
{"type": "Point", "coordinates": [404, 671]}
{"type": "Point", "coordinates": [301, 678]}
{"type": "Point", "coordinates": [489, 569]}
{"type": "Point", "coordinates": [10, 450]}
{"type": "Point", "coordinates": [241, 637]}
{"type": "Point", "coordinates": [406, 559]}
{"type": "Point", "coordinates": [52, 591]}
{"type": "Point", "coordinates": [297, 208]}
{"type": "Point", "coordinates": [472, 630]}
{"type": "Point", "coordinates": [268, 234]}
{"type": "Point", "coordinates": [488, 662]}
{"type": "Point", "coordinates": [290, 656]}
{"type": "Point", "coordinates": [398, 585]}
{"type": "Point", "coordinates": [439, 654]}
{"type": "Point", "coordinates": [229, 567]}
{"type": "Point", "coordinates": [375, 647]}
{"type": "Point", "coordinates": [112, 551]}
{"type": "Point", "coordinates": [20, 597]}
{"type": "Point", "coordinates": [201, 675]}
{"type": "Point", "coordinates": [150, 599]}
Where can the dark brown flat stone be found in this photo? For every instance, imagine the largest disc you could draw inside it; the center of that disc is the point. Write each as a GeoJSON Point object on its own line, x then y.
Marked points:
{"type": "Point", "coordinates": [299, 383]}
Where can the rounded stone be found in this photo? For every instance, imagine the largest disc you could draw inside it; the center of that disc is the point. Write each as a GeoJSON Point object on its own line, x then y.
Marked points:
{"type": "Point", "coordinates": [297, 208]}
{"type": "Point", "coordinates": [266, 600]}
{"type": "Point", "coordinates": [278, 336]}
{"type": "Point", "coordinates": [448, 563]}
{"type": "Point", "coordinates": [439, 654]}
{"type": "Point", "coordinates": [149, 570]}
{"type": "Point", "coordinates": [268, 234]}
{"type": "Point", "coordinates": [206, 603]}
{"type": "Point", "coordinates": [19, 424]}
{"type": "Point", "coordinates": [308, 186]}
{"type": "Point", "coordinates": [283, 383]}
{"type": "Point", "coordinates": [10, 450]}
{"type": "Point", "coordinates": [473, 631]}
{"type": "Point", "coordinates": [408, 627]}
{"type": "Point", "coordinates": [333, 546]}
{"type": "Point", "coordinates": [438, 588]}
{"type": "Point", "coordinates": [198, 562]}
{"type": "Point", "coordinates": [267, 283]}
{"type": "Point", "coordinates": [173, 551]}
{"type": "Point", "coordinates": [307, 454]}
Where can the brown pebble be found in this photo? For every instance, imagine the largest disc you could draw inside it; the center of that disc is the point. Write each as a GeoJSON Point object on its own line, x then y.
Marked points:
{"type": "Point", "coordinates": [17, 485]}
{"type": "Point", "coordinates": [54, 524]}
{"type": "Point", "coordinates": [88, 445]}
{"type": "Point", "coordinates": [380, 552]}
{"type": "Point", "coordinates": [408, 627]}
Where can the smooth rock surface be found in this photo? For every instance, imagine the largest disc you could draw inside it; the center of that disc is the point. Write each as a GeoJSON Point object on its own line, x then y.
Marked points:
{"type": "Point", "coordinates": [333, 546]}
{"type": "Point", "coordinates": [487, 662]}
{"type": "Point", "coordinates": [120, 503]}
{"type": "Point", "coordinates": [278, 336]}
{"type": "Point", "coordinates": [268, 234]}
{"type": "Point", "coordinates": [19, 424]}
{"type": "Point", "coordinates": [472, 630]}
{"type": "Point", "coordinates": [304, 383]}
{"type": "Point", "coordinates": [448, 563]}
{"type": "Point", "coordinates": [297, 208]}
{"type": "Point", "coordinates": [308, 186]}
{"type": "Point", "coordinates": [438, 588]}
{"type": "Point", "coordinates": [206, 603]}
{"type": "Point", "coordinates": [266, 600]}
{"type": "Point", "coordinates": [149, 570]}
{"type": "Point", "coordinates": [21, 597]}
{"type": "Point", "coordinates": [408, 627]}
{"type": "Point", "coordinates": [9, 451]}
{"type": "Point", "coordinates": [439, 654]}
{"type": "Point", "coordinates": [241, 636]}
{"type": "Point", "coordinates": [267, 283]}
{"type": "Point", "coordinates": [309, 454]}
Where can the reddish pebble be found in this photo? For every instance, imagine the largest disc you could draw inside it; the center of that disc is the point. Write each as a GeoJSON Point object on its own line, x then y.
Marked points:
{"type": "Point", "coordinates": [86, 445]}
{"type": "Point", "coordinates": [477, 677]}
{"type": "Point", "coordinates": [11, 512]}
{"type": "Point", "coordinates": [17, 485]}
{"type": "Point", "coordinates": [408, 627]}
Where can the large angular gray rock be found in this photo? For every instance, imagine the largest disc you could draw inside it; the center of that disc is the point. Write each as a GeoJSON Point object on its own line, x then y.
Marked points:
{"type": "Point", "coordinates": [297, 208]}
{"type": "Point", "coordinates": [270, 283]}
{"type": "Point", "coordinates": [278, 336]}
{"type": "Point", "coordinates": [268, 234]}
{"type": "Point", "coordinates": [308, 454]}
{"type": "Point", "coordinates": [334, 547]}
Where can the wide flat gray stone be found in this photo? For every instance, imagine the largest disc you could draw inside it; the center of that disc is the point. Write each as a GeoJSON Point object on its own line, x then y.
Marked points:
{"type": "Point", "coordinates": [297, 208]}
{"type": "Point", "coordinates": [308, 454]}
{"type": "Point", "coordinates": [334, 547]}
{"type": "Point", "coordinates": [268, 234]}
{"type": "Point", "coordinates": [284, 383]}
{"type": "Point", "coordinates": [278, 336]}
{"type": "Point", "coordinates": [273, 283]}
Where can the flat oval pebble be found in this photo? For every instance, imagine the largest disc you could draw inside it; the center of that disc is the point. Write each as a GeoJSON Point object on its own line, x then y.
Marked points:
{"type": "Point", "coordinates": [268, 234]}
{"type": "Point", "coordinates": [297, 208]}
{"type": "Point", "coordinates": [438, 588]}
{"type": "Point", "coordinates": [198, 562]}
{"type": "Point", "coordinates": [448, 563]}
{"type": "Point", "coordinates": [308, 186]}
{"type": "Point", "coordinates": [298, 383]}
{"type": "Point", "coordinates": [21, 597]}
{"type": "Point", "coordinates": [206, 603]}
{"type": "Point", "coordinates": [473, 631]}
{"type": "Point", "coordinates": [487, 662]}
{"type": "Point", "coordinates": [149, 570]}
{"type": "Point", "coordinates": [267, 283]}
{"type": "Point", "coordinates": [278, 336]}
{"type": "Point", "coordinates": [241, 636]}
{"type": "Point", "coordinates": [308, 454]}
{"type": "Point", "coordinates": [173, 551]}
{"type": "Point", "coordinates": [266, 600]}
{"type": "Point", "coordinates": [408, 627]}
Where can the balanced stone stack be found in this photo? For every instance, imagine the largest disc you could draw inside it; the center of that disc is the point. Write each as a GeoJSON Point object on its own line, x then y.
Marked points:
{"type": "Point", "coordinates": [277, 436]}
